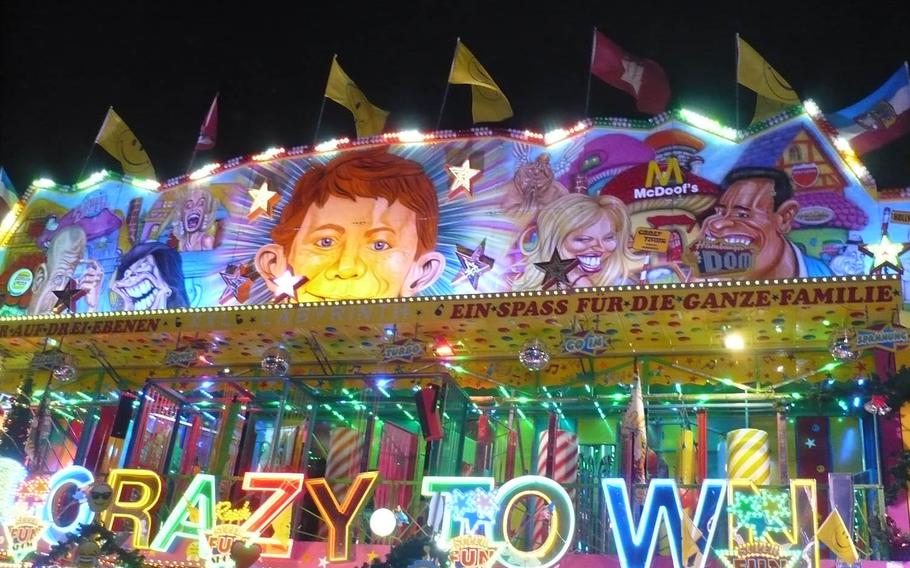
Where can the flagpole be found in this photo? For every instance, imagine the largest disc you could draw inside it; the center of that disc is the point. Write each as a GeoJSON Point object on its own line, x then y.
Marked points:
{"type": "Point", "coordinates": [189, 166]}
{"type": "Point", "coordinates": [590, 67]}
{"type": "Point", "coordinates": [94, 143]}
{"type": "Point", "coordinates": [322, 105]}
{"type": "Point", "coordinates": [736, 80]}
{"type": "Point", "coordinates": [445, 94]}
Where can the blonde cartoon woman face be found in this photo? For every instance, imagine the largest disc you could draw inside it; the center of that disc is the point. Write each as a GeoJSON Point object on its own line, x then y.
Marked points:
{"type": "Point", "coordinates": [591, 245]}
{"type": "Point", "coordinates": [594, 230]}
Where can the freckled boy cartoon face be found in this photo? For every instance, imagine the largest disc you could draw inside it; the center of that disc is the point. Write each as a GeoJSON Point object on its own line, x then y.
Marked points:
{"type": "Point", "coordinates": [363, 226]}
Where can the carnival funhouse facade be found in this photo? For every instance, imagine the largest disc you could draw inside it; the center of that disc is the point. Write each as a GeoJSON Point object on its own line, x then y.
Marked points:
{"type": "Point", "coordinates": [661, 341]}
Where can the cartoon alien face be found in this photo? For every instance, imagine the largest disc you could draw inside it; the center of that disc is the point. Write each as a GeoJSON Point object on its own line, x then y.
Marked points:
{"type": "Point", "coordinates": [142, 287]}
{"type": "Point", "coordinates": [194, 210]}
{"type": "Point", "coordinates": [99, 497]}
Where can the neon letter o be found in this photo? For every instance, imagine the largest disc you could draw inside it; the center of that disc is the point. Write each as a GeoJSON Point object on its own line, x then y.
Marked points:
{"type": "Point", "coordinates": [562, 521]}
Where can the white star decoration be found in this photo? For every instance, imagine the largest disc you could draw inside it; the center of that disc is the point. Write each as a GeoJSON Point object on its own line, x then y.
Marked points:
{"type": "Point", "coordinates": [286, 285]}
{"type": "Point", "coordinates": [263, 201]}
{"type": "Point", "coordinates": [810, 442]}
{"type": "Point", "coordinates": [462, 176]}
{"type": "Point", "coordinates": [885, 254]}
{"type": "Point", "coordinates": [323, 562]}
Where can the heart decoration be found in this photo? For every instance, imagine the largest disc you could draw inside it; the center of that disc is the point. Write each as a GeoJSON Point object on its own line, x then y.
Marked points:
{"type": "Point", "coordinates": [245, 556]}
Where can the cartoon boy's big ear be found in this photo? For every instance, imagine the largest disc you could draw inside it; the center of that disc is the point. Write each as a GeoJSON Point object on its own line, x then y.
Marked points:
{"type": "Point", "coordinates": [423, 273]}
{"type": "Point", "coordinates": [271, 263]}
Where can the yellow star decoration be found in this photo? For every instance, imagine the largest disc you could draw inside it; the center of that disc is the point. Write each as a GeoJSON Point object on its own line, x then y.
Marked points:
{"type": "Point", "coordinates": [885, 254]}
{"type": "Point", "coordinates": [372, 556]}
{"type": "Point", "coordinates": [462, 176]}
{"type": "Point", "coordinates": [263, 201]}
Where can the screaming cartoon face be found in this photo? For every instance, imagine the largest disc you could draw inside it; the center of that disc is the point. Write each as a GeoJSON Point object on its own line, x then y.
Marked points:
{"type": "Point", "coordinates": [194, 210]}
{"type": "Point", "coordinates": [142, 287]}
{"type": "Point", "coordinates": [591, 245]}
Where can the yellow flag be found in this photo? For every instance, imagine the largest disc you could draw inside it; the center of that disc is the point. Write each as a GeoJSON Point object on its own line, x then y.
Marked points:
{"type": "Point", "coordinates": [368, 118]}
{"type": "Point", "coordinates": [120, 142]}
{"type": "Point", "coordinates": [753, 72]}
{"type": "Point", "coordinates": [488, 102]}
{"type": "Point", "coordinates": [833, 533]}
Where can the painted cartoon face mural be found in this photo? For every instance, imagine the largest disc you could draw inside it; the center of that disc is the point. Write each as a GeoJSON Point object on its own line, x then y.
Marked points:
{"type": "Point", "coordinates": [196, 216]}
{"type": "Point", "coordinates": [65, 253]}
{"type": "Point", "coordinates": [362, 227]}
{"type": "Point", "coordinates": [142, 287]}
{"type": "Point", "coordinates": [533, 186]}
{"type": "Point", "coordinates": [594, 230]}
{"type": "Point", "coordinates": [150, 277]}
{"type": "Point", "coordinates": [632, 205]}
{"type": "Point", "coordinates": [756, 212]}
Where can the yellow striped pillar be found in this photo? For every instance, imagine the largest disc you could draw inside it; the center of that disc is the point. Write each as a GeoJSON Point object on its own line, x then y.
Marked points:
{"type": "Point", "coordinates": [748, 456]}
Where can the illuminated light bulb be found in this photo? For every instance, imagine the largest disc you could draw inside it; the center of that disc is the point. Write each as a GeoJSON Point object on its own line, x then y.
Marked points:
{"type": "Point", "coordinates": [268, 154]}
{"type": "Point", "coordinates": [734, 342]}
{"type": "Point", "coordinates": [330, 145]}
{"type": "Point", "coordinates": [383, 522]}
{"type": "Point", "coordinates": [410, 136]}
{"type": "Point", "coordinates": [811, 108]}
{"type": "Point", "coordinates": [708, 124]}
{"type": "Point", "coordinates": [443, 348]}
{"type": "Point", "coordinates": [93, 179]}
{"type": "Point", "coordinates": [841, 144]}
{"type": "Point", "coordinates": [204, 171]}
{"type": "Point", "coordinates": [44, 183]}
{"type": "Point", "coordinates": [555, 135]}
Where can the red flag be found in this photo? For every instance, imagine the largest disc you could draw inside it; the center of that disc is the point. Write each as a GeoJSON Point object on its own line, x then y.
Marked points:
{"type": "Point", "coordinates": [209, 129]}
{"type": "Point", "coordinates": [642, 78]}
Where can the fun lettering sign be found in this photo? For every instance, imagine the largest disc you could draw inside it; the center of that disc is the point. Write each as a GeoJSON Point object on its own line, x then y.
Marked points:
{"type": "Point", "coordinates": [474, 521]}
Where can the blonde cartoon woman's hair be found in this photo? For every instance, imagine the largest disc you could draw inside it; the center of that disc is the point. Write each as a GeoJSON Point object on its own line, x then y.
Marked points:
{"type": "Point", "coordinates": [571, 212]}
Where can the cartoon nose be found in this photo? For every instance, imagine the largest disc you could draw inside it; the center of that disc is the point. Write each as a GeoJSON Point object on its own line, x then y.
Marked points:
{"type": "Point", "coordinates": [719, 222]}
{"type": "Point", "coordinates": [349, 264]}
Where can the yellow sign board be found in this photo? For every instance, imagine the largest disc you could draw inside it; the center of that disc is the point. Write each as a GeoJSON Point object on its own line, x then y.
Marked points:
{"type": "Point", "coordinates": [651, 240]}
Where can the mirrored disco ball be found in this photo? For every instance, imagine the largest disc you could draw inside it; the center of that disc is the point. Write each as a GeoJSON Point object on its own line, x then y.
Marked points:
{"type": "Point", "coordinates": [534, 356]}
{"type": "Point", "coordinates": [65, 369]}
{"type": "Point", "coordinates": [276, 361]}
{"type": "Point", "coordinates": [65, 373]}
{"type": "Point", "coordinates": [842, 346]}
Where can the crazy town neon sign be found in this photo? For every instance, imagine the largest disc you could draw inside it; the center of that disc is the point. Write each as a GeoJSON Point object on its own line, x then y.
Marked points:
{"type": "Point", "coordinates": [475, 520]}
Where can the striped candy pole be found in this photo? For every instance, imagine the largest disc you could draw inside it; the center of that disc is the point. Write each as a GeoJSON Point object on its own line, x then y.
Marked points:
{"type": "Point", "coordinates": [748, 456]}
{"type": "Point", "coordinates": [565, 472]}
{"type": "Point", "coordinates": [686, 468]}
{"type": "Point", "coordinates": [342, 463]}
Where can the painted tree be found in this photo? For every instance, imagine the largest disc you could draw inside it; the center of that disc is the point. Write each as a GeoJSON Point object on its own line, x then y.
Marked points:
{"type": "Point", "coordinates": [18, 423]}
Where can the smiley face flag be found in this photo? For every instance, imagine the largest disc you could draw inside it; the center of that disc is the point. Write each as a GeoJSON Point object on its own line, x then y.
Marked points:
{"type": "Point", "coordinates": [488, 102]}
{"type": "Point", "coordinates": [120, 142]}
{"type": "Point", "coordinates": [833, 532]}
{"type": "Point", "coordinates": [369, 119]}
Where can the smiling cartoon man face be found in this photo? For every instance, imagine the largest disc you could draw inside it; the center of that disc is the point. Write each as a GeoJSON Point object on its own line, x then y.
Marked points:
{"type": "Point", "coordinates": [363, 226]}
{"type": "Point", "coordinates": [756, 211]}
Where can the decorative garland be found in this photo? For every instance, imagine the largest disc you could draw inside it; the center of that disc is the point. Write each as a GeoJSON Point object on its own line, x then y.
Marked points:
{"type": "Point", "coordinates": [108, 546]}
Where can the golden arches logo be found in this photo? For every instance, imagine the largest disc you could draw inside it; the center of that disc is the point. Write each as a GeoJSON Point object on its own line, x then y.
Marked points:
{"type": "Point", "coordinates": [671, 171]}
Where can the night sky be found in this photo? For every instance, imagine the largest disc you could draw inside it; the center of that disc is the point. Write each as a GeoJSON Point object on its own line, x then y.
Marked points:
{"type": "Point", "coordinates": [159, 64]}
